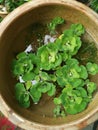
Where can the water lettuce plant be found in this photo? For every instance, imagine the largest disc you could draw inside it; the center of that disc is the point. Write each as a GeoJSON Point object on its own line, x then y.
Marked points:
{"type": "Point", "coordinates": [54, 23]}
{"type": "Point", "coordinates": [53, 67]}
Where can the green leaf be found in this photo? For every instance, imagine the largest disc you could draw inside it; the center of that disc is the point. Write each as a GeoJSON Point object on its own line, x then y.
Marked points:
{"type": "Point", "coordinates": [68, 90]}
{"type": "Point", "coordinates": [18, 70]}
{"type": "Point", "coordinates": [64, 98]}
{"type": "Point", "coordinates": [12, 4]}
{"type": "Point", "coordinates": [34, 59]}
{"type": "Point", "coordinates": [52, 91]}
{"type": "Point", "coordinates": [28, 76]}
{"type": "Point", "coordinates": [19, 90]}
{"type": "Point", "coordinates": [1, 19]}
{"type": "Point", "coordinates": [21, 55]}
{"type": "Point", "coordinates": [77, 83]}
{"type": "Point", "coordinates": [72, 62]}
{"type": "Point", "coordinates": [78, 29]}
{"type": "Point", "coordinates": [53, 24]}
{"type": "Point", "coordinates": [1, 1]}
{"type": "Point", "coordinates": [37, 78]}
{"type": "Point", "coordinates": [83, 73]}
{"type": "Point", "coordinates": [76, 92]}
{"type": "Point", "coordinates": [28, 84]}
{"type": "Point", "coordinates": [78, 100]}
{"type": "Point", "coordinates": [61, 76]}
{"type": "Point", "coordinates": [92, 68]}
{"type": "Point", "coordinates": [57, 101]}
{"type": "Point", "coordinates": [79, 43]}
{"type": "Point", "coordinates": [53, 77]}
{"type": "Point", "coordinates": [60, 71]}
{"type": "Point", "coordinates": [91, 87]}
{"type": "Point", "coordinates": [73, 74]}
{"type": "Point", "coordinates": [81, 107]}
{"type": "Point", "coordinates": [57, 111]}
{"type": "Point", "coordinates": [28, 66]}
{"type": "Point", "coordinates": [44, 87]}
{"type": "Point", "coordinates": [24, 98]}
{"type": "Point", "coordinates": [22, 65]}
{"type": "Point", "coordinates": [52, 49]}
{"type": "Point", "coordinates": [63, 114]}
{"type": "Point", "coordinates": [76, 108]}
{"type": "Point", "coordinates": [58, 61]}
{"type": "Point", "coordinates": [43, 56]}
{"type": "Point", "coordinates": [36, 70]}
{"type": "Point", "coordinates": [44, 76]}
{"type": "Point", "coordinates": [83, 92]}
{"type": "Point", "coordinates": [25, 104]}
{"type": "Point", "coordinates": [71, 109]}
{"type": "Point", "coordinates": [34, 93]}
{"type": "Point", "coordinates": [58, 42]}
{"type": "Point", "coordinates": [62, 81]}
{"type": "Point", "coordinates": [65, 56]}
{"type": "Point", "coordinates": [94, 5]}
{"type": "Point", "coordinates": [21, 95]}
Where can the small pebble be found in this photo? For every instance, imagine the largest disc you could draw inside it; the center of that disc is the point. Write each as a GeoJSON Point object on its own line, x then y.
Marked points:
{"type": "Point", "coordinates": [29, 49]}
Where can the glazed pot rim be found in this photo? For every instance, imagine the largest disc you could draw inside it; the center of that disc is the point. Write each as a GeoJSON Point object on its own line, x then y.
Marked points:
{"type": "Point", "coordinates": [7, 21]}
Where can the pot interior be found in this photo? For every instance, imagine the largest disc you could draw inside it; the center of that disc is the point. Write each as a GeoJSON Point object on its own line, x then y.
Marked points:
{"type": "Point", "coordinates": [13, 41]}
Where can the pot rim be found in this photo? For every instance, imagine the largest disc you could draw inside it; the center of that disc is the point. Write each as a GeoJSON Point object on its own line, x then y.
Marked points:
{"type": "Point", "coordinates": [14, 117]}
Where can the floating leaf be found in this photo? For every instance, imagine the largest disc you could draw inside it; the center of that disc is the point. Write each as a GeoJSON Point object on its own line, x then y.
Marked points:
{"type": "Point", "coordinates": [19, 90]}
{"type": "Point", "coordinates": [28, 76]}
{"type": "Point", "coordinates": [91, 87]}
{"type": "Point", "coordinates": [83, 73]}
{"type": "Point", "coordinates": [44, 76]}
{"type": "Point", "coordinates": [21, 55]}
{"type": "Point", "coordinates": [57, 101]}
{"type": "Point", "coordinates": [52, 91]}
{"type": "Point", "coordinates": [34, 93]}
{"type": "Point", "coordinates": [83, 92]}
{"type": "Point", "coordinates": [28, 85]}
{"type": "Point", "coordinates": [57, 111]}
{"type": "Point", "coordinates": [44, 87]}
{"type": "Point", "coordinates": [53, 24]}
{"type": "Point", "coordinates": [92, 68]}
{"type": "Point", "coordinates": [25, 104]}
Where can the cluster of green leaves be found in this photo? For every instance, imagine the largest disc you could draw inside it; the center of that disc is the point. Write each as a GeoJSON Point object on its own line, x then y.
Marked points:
{"type": "Point", "coordinates": [1, 1]}
{"type": "Point", "coordinates": [26, 66]}
{"type": "Point", "coordinates": [94, 5]}
{"type": "Point", "coordinates": [25, 91]}
{"type": "Point", "coordinates": [12, 4]}
{"type": "Point", "coordinates": [77, 90]}
{"type": "Point", "coordinates": [54, 23]}
{"type": "Point", "coordinates": [53, 66]}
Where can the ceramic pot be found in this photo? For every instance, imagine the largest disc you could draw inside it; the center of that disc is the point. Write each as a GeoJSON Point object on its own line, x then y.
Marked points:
{"type": "Point", "coordinates": [13, 30]}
